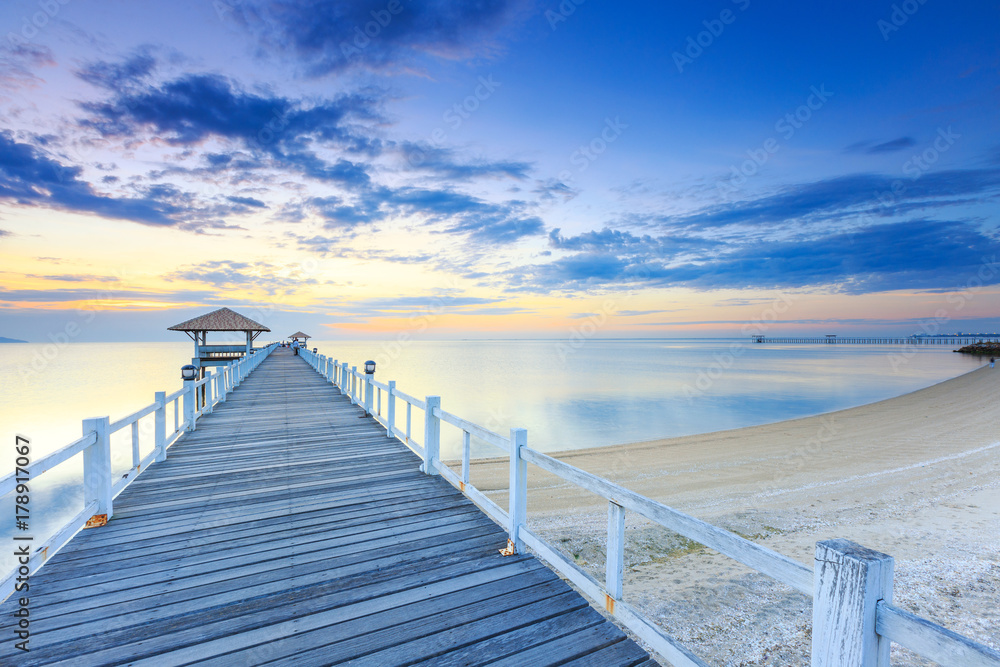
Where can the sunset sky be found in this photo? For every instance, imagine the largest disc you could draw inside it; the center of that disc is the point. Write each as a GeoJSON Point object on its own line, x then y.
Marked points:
{"type": "Point", "coordinates": [499, 168]}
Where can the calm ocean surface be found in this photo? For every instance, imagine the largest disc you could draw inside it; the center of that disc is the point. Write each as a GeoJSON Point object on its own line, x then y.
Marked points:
{"type": "Point", "coordinates": [600, 393]}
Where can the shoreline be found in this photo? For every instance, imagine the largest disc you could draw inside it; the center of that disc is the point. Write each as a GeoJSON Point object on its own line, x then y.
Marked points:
{"type": "Point", "coordinates": [916, 476]}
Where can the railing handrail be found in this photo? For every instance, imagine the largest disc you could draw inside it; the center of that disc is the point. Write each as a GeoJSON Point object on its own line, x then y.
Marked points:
{"type": "Point", "coordinates": [751, 554]}
{"type": "Point", "coordinates": [917, 634]}
{"type": "Point", "coordinates": [134, 417]}
{"type": "Point", "coordinates": [9, 482]}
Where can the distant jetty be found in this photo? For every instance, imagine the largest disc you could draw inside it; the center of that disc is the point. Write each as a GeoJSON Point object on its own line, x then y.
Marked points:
{"type": "Point", "coordinates": [992, 349]}
{"type": "Point", "coordinates": [11, 340]}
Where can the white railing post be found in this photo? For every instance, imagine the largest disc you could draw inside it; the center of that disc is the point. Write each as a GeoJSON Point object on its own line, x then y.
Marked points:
{"type": "Point", "coordinates": [369, 391]}
{"type": "Point", "coordinates": [390, 416]}
{"type": "Point", "coordinates": [160, 427]}
{"type": "Point", "coordinates": [850, 580]}
{"type": "Point", "coordinates": [333, 372]}
{"type": "Point", "coordinates": [97, 480]}
{"type": "Point", "coordinates": [518, 513]}
{"type": "Point", "coordinates": [343, 379]}
{"type": "Point", "coordinates": [223, 388]}
{"type": "Point", "coordinates": [615, 565]}
{"type": "Point", "coordinates": [189, 408]}
{"type": "Point", "coordinates": [354, 384]}
{"type": "Point", "coordinates": [432, 436]}
{"type": "Point", "coordinates": [209, 402]}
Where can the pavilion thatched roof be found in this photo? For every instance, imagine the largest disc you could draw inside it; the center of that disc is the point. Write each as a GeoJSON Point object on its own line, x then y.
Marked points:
{"type": "Point", "coordinates": [299, 334]}
{"type": "Point", "coordinates": [222, 319]}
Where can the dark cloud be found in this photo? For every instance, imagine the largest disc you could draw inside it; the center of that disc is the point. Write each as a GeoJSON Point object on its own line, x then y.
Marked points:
{"type": "Point", "coordinates": [917, 254]}
{"type": "Point", "coordinates": [190, 109]}
{"type": "Point", "coordinates": [329, 36]}
{"type": "Point", "coordinates": [617, 241]}
{"type": "Point", "coordinates": [553, 189]}
{"type": "Point", "coordinates": [854, 195]}
{"type": "Point", "coordinates": [444, 163]}
{"type": "Point", "coordinates": [28, 176]}
{"type": "Point", "coordinates": [247, 201]}
{"type": "Point", "coordinates": [892, 146]}
{"type": "Point", "coordinates": [116, 75]}
{"type": "Point", "coordinates": [870, 148]}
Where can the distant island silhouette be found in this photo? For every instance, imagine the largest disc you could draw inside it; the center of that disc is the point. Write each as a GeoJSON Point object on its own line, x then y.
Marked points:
{"type": "Point", "coordinates": [11, 340]}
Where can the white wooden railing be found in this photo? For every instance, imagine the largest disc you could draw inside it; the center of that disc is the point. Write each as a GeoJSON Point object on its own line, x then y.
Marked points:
{"type": "Point", "coordinates": [854, 620]}
{"type": "Point", "coordinates": [194, 399]}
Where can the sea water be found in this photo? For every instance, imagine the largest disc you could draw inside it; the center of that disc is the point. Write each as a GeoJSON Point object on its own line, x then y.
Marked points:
{"type": "Point", "coordinates": [567, 394]}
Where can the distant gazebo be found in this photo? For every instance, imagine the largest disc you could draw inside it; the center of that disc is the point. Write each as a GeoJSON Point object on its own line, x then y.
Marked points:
{"type": "Point", "coordinates": [222, 319]}
{"type": "Point", "coordinates": [299, 337]}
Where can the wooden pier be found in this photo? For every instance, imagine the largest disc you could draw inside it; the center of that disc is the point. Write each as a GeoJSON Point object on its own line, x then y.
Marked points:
{"type": "Point", "coordinates": [289, 530]}
{"type": "Point", "coordinates": [878, 340]}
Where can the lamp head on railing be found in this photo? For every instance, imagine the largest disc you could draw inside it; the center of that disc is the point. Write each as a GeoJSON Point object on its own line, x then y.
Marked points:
{"type": "Point", "coordinates": [189, 372]}
{"type": "Point", "coordinates": [369, 367]}
{"type": "Point", "coordinates": [315, 350]}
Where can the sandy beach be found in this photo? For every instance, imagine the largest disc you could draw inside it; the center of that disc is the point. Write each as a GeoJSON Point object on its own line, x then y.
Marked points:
{"type": "Point", "coordinates": [917, 477]}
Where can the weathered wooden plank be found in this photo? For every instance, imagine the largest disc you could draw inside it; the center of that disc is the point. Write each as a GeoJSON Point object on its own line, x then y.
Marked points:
{"type": "Point", "coordinates": [585, 641]}
{"type": "Point", "coordinates": [623, 653]}
{"type": "Point", "coordinates": [396, 626]}
{"type": "Point", "coordinates": [931, 640]}
{"type": "Point", "coordinates": [484, 643]}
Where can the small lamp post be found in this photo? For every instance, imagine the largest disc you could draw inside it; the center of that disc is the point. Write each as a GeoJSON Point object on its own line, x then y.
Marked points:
{"type": "Point", "coordinates": [315, 350]}
{"type": "Point", "coordinates": [189, 372]}
{"type": "Point", "coordinates": [369, 367]}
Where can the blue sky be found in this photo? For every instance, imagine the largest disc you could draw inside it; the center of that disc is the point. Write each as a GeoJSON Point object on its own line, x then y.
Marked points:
{"type": "Point", "coordinates": [506, 168]}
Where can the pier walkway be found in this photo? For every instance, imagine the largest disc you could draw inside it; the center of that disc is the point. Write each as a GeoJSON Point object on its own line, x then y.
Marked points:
{"type": "Point", "coordinates": [289, 530]}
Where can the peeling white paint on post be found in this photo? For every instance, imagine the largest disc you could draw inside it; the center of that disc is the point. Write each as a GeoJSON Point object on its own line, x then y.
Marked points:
{"type": "Point", "coordinates": [850, 580]}
{"type": "Point", "coordinates": [518, 508]}
{"type": "Point", "coordinates": [615, 566]}
{"type": "Point", "coordinates": [97, 480]}
{"type": "Point", "coordinates": [432, 435]}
